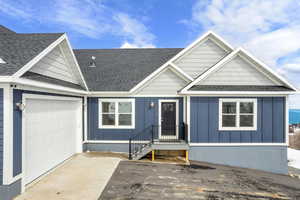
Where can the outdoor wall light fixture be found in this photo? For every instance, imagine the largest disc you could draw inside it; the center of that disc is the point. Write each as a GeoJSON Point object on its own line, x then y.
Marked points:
{"type": "Point", "coordinates": [152, 104]}
{"type": "Point", "coordinates": [20, 106]}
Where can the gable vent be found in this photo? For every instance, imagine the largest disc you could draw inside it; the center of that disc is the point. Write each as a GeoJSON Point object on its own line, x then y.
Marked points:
{"type": "Point", "coordinates": [2, 61]}
{"type": "Point", "coordinates": [92, 63]}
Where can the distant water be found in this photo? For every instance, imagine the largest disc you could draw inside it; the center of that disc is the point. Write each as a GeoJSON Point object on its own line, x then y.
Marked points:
{"type": "Point", "coordinates": [294, 116]}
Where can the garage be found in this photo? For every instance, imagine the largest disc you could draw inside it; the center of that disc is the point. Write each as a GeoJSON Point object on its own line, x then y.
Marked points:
{"type": "Point", "coordinates": [52, 132]}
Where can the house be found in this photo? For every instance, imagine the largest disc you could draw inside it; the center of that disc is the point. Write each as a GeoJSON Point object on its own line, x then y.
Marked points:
{"type": "Point", "coordinates": [217, 103]}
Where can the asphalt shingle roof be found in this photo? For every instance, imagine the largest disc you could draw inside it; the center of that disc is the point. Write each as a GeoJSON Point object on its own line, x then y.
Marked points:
{"type": "Point", "coordinates": [18, 49]}
{"type": "Point", "coordinates": [121, 69]}
{"type": "Point", "coordinates": [230, 88]}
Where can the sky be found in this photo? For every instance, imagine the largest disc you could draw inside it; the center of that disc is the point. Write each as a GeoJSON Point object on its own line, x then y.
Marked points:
{"type": "Point", "coordinates": [269, 29]}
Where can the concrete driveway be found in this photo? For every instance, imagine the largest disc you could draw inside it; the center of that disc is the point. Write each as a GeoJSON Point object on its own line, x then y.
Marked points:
{"type": "Point", "coordinates": [84, 176]}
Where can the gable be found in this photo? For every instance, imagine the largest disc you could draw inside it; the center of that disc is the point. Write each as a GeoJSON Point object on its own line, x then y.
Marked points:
{"type": "Point", "coordinates": [203, 56]}
{"type": "Point", "coordinates": [166, 83]}
{"type": "Point", "coordinates": [55, 65]}
{"type": "Point", "coordinates": [237, 71]}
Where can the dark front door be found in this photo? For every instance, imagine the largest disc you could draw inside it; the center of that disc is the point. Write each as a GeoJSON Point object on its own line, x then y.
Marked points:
{"type": "Point", "coordinates": [168, 120]}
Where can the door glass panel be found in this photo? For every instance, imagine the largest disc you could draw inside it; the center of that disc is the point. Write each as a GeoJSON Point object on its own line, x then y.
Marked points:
{"type": "Point", "coordinates": [168, 119]}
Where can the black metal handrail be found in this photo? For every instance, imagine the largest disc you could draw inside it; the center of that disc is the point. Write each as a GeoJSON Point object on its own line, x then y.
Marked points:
{"type": "Point", "coordinates": [155, 133]}
{"type": "Point", "coordinates": [140, 140]}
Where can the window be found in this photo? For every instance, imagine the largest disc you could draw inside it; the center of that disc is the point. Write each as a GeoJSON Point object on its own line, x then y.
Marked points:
{"type": "Point", "coordinates": [116, 113]}
{"type": "Point", "coordinates": [237, 114]}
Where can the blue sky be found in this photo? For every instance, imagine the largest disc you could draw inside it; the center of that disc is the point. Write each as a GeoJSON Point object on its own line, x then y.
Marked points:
{"type": "Point", "coordinates": [269, 29]}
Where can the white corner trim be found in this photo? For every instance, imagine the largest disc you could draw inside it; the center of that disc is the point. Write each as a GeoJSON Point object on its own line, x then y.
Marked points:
{"type": "Point", "coordinates": [237, 144]}
{"type": "Point", "coordinates": [37, 58]}
{"type": "Point", "coordinates": [85, 110]}
{"type": "Point", "coordinates": [7, 135]}
{"type": "Point", "coordinates": [287, 120]}
{"type": "Point", "coordinates": [157, 71]}
{"type": "Point", "coordinates": [188, 117]}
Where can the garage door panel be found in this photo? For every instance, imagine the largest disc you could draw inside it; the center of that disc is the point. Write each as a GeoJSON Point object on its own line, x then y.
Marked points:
{"type": "Point", "coordinates": [51, 134]}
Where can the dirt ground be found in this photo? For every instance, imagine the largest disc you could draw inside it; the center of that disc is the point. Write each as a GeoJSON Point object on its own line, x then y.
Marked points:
{"type": "Point", "coordinates": [145, 180]}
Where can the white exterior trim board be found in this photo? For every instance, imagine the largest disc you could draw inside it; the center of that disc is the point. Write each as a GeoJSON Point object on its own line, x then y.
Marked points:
{"type": "Point", "coordinates": [7, 135]}
{"type": "Point", "coordinates": [238, 144]}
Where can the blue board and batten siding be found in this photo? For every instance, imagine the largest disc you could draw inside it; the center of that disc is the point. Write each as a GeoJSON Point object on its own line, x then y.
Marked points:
{"type": "Point", "coordinates": [144, 117]}
{"type": "Point", "coordinates": [204, 124]}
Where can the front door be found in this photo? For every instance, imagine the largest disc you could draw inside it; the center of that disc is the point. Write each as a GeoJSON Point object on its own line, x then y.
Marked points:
{"type": "Point", "coordinates": [168, 119]}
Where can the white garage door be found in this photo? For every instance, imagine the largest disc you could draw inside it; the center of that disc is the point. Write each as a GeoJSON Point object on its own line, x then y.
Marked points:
{"type": "Point", "coordinates": [53, 130]}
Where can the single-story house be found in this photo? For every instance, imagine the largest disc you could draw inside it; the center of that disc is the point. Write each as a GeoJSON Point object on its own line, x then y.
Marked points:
{"type": "Point", "coordinates": [216, 102]}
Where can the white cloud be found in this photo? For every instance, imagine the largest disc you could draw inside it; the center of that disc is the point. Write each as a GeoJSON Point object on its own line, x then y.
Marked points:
{"type": "Point", "coordinates": [91, 18]}
{"type": "Point", "coordinates": [269, 29]}
{"type": "Point", "coordinates": [14, 9]}
{"type": "Point", "coordinates": [137, 32]}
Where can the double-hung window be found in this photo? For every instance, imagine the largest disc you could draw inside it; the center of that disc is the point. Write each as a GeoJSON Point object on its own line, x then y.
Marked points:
{"type": "Point", "coordinates": [116, 113]}
{"type": "Point", "coordinates": [237, 114]}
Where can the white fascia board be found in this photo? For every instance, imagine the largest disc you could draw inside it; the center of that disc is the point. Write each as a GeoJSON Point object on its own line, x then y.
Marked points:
{"type": "Point", "coordinates": [210, 70]}
{"type": "Point", "coordinates": [170, 62]}
{"type": "Point", "coordinates": [39, 84]}
{"type": "Point", "coordinates": [181, 72]}
{"type": "Point", "coordinates": [76, 63]}
{"type": "Point", "coordinates": [267, 68]}
{"type": "Point", "coordinates": [236, 93]}
{"type": "Point", "coordinates": [33, 61]}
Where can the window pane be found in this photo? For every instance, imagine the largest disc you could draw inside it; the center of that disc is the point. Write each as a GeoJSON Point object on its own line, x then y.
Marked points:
{"type": "Point", "coordinates": [228, 120]}
{"type": "Point", "coordinates": [229, 107]}
{"type": "Point", "coordinates": [108, 119]}
{"type": "Point", "coordinates": [246, 120]}
{"type": "Point", "coordinates": [125, 119]}
{"type": "Point", "coordinates": [125, 107]}
{"type": "Point", "coordinates": [108, 107]}
{"type": "Point", "coordinates": [246, 107]}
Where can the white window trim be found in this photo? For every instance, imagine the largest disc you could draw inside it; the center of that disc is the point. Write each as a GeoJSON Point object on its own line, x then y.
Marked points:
{"type": "Point", "coordinates": [116, 101]}
{"type": "Point", "coordinates": [238, 128]}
